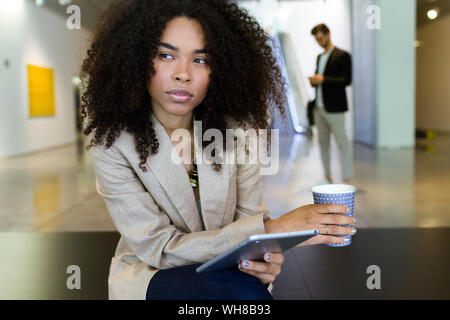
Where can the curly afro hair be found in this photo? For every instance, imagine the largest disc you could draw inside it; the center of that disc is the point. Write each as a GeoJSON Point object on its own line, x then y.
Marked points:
{"type": "Point", "coordinates": [246, 83]}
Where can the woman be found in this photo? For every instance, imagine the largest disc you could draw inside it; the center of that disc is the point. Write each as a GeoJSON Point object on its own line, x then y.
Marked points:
{"type": "Point", "coordinates": [154, 67]}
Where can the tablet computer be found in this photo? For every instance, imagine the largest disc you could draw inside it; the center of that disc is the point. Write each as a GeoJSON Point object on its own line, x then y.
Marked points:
{"type": "Point", "coordinates": [255, 247]}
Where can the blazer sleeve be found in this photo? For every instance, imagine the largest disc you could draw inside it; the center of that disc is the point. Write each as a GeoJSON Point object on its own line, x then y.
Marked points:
{"type": "Point", "coordinates": [344, 65]}
{"type": "Point", "coordinates": [148, 230]}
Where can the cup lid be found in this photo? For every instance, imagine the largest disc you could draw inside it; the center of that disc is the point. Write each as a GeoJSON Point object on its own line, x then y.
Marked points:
{"type": "Point", "coordinates": [333, 188]}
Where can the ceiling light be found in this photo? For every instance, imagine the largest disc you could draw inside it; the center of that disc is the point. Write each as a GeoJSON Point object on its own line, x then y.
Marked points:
{"type": "Point", "coordinates": [40, 3]}
{"type": "Point", "coordinates": [433, 14]}
{"type": "Point", "coordinates": [64, 2]}
{"type": "Point", "coordinates": [76, 80]}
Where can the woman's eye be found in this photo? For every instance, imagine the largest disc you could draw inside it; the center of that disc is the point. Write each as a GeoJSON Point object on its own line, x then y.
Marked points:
{"type": "Point", "coordinates": [200, 60]}
{"type": "Point", "coordinates": [166, 56]}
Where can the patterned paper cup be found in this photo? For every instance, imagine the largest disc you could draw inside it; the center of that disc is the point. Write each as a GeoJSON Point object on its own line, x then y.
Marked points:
{"type": "Point", "coordinates": [339, 194]}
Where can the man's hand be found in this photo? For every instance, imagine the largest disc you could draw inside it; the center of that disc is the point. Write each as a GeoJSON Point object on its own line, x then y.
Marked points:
{"type": "Point", "coordinates": [264, 271]}
{"type": "Point", "coordinates": [316, 80]}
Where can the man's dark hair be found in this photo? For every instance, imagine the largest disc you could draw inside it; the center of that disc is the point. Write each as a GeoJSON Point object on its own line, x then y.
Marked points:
{"type": "Point", "coordinates": [320, 28]}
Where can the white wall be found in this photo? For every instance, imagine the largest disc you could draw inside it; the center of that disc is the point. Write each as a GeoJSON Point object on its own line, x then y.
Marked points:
{"type": "Point", "coordinates": [364, 74]}
{"type": "Point", "coordinates": [396, 74]}
{"type": "Point", "coordinates": [433, 75]}
{"type": "Point", "coordinates": [385, 73]}
{"type": "Point", "coordinates": [298, 18]}
{"type": "Point", "coordinates": [38, 36]}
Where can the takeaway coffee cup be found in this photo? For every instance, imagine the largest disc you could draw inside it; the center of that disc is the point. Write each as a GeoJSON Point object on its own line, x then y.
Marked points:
{"type": "Point", "coordinates": [339, 194]}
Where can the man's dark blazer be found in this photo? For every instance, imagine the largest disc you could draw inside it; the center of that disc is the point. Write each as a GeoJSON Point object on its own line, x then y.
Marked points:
{"type": "Point", "coordinates": [338, 75]}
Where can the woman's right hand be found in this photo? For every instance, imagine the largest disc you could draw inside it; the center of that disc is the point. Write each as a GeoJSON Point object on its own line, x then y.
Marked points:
{"type": "Point", "coordinates": [315, 216]}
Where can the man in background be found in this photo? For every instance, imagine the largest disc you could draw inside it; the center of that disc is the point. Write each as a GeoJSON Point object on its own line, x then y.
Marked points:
{"type": "Point", "coordinates": [333, 74]}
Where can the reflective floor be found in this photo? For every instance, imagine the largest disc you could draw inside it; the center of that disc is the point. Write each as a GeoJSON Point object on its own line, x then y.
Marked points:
{"type": "Point", "coordinates": [54, 190]}
{"type": "Point", "coordinates": [51, 191]}
{"type": "Point", "coordinates": [396, 188]}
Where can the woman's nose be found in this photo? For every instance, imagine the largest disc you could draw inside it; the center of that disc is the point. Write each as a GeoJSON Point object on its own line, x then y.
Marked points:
{"type": "Point", "coordinates": [182, 73]}
{"type": "Point", "coordinates": [183, 77]}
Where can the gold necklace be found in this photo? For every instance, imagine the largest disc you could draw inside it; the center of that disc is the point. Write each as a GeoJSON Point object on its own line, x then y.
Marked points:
{"type": "Point", "coordinates": [193, 175]}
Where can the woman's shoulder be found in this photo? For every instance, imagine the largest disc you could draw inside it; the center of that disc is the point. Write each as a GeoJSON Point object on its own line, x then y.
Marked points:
{"type": "Point", "coordinates": [122, 145]}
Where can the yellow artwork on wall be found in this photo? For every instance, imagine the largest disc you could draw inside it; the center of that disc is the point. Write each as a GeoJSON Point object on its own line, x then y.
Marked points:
{"type": "Point", "coordinates": [41, 91]}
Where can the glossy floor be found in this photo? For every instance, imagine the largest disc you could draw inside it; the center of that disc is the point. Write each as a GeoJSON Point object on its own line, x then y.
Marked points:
{"type": "Point", "coordinates": [54, 190]}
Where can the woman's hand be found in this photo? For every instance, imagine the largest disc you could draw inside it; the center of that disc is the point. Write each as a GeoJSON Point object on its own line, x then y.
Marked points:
{"type": "Point", "coordinates": [315, 216]}
{"type": "Point", "coordinates": [264, 271]}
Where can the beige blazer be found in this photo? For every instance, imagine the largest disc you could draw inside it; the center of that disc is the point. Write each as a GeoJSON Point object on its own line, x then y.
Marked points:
{"type": "Point", "coordinates": [157, 216]}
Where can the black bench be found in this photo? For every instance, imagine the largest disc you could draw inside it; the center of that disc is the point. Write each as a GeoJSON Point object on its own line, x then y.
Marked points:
{"type": "Point", "coordinates": [414, 264]}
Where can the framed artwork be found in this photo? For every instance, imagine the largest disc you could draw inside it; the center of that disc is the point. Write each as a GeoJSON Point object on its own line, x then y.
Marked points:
{"type": "Point", "coordinates": [41, 91]}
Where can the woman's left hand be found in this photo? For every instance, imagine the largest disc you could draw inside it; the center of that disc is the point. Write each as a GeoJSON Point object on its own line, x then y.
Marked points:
{"type": "Point", "coordinates": [264, 271]}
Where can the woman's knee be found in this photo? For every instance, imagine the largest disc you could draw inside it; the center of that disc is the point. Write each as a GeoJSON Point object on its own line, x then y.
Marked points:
{"type": "Point", "coordinates": [230, 284]}
{"type": "Point", "coordinates": [248, 288]}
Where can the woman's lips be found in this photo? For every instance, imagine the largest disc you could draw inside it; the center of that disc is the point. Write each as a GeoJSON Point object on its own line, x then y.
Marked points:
{"type": "Point", "coordinates": [179, 98]}
{"type": "Point", "coordinates": [179, 95]}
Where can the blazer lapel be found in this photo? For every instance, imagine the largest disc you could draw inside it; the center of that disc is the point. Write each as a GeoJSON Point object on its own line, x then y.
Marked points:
{"type": "Point", "coordinates": [213, 186]}
{"type": "Point", "coordinates": [330, 61]}
{"type": "Point", "coordinates": [173, 178]}
{"type": "Point", "coordinates": [175, 181]}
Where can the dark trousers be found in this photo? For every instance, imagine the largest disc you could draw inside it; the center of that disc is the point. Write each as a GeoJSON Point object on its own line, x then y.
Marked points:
{"type": "Point", "coordinates": [184, 283]}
